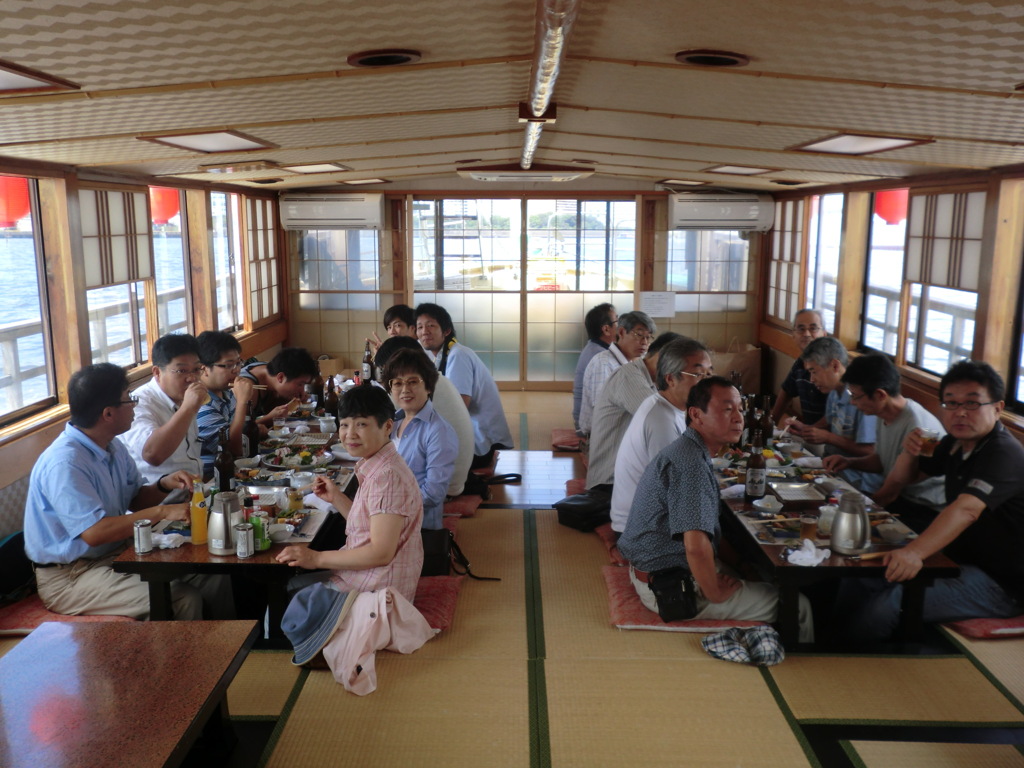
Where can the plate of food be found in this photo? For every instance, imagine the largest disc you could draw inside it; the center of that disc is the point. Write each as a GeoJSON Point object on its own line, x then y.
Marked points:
{"type": "Point", "coordinates": [293, 458]}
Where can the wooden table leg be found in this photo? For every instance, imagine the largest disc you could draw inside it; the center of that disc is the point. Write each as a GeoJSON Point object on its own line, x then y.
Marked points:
{"type": "Point", "coordinates": [160, 608]}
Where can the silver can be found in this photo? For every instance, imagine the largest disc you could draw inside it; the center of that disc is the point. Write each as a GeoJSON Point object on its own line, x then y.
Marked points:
{"type": "Point", "coordinates": [143, 536]}
{"type": "Point", "coordinates": [244, 543]}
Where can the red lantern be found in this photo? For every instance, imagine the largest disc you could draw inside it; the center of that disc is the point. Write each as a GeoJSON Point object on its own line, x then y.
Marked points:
{"type": "Point", "coordinates": [891, 205]}
{"type": "Point", "coordinates": [14, 202]}
{"type": "Point", "coordinates": [165, 203]}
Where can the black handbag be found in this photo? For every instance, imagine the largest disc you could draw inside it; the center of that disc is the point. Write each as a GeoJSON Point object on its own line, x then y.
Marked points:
{"type": "Point", "coordinates": [585, 511]}
{"type": "Point", "coordinates": [442, 555]}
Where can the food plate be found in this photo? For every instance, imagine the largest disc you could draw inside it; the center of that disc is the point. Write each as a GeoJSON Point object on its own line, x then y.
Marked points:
{"type": "Point", "coordinates": [790, 491]}
{"type": "Point", "coordinates": [296, 461]}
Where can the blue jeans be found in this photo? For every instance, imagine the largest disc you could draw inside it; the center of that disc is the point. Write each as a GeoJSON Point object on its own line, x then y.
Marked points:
{"type": "Point", "coordinates": [869, 609]}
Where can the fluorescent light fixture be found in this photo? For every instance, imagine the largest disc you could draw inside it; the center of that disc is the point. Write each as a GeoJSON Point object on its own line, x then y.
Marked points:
{"type": "Point", "coordinates": [212, 141]}
{"type": "Point", "coordinates": [317, 168]}
{"type": "Point", "coordinates": [357, 182]}
{"type": "Point", "coordinates": [241, 166]}
{"type": "Point", "coordinates": [680, 182]}
{"type": "Point", "coordinates": [513, 173]}
{"type": "Point", "coordinates": [737, 170]}
{"type": "Point", "coordinates": [858, 144]}
{"type": "Point", "coordinates": [15, 78]}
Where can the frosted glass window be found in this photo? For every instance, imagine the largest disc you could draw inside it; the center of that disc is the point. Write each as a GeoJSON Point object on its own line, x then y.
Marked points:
{"type": "Point", "coordinates": [115, 235]}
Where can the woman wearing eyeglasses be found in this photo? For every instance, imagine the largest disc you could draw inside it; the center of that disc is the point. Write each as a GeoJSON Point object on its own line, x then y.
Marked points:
{"type": "Point", "coordinates": [426, 441]}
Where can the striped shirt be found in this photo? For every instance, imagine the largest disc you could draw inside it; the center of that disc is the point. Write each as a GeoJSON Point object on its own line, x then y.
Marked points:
{"type": "Point", "coordinates": [386, 487]}
{"type": "Point", "coordinates": [211, 419]}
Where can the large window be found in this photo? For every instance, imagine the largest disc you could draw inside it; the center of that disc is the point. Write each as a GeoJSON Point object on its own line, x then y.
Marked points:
{"type": "Point", "coordinates": [824, 238]}
{"type": "Point", "coordinates": [227, 261]}
{"type": "Point", "coordinates": [117, 324]}
{"type": "Point", "coordinates": [26, 377]}
{"type": "Point", "coordinates": [173, 299]}
{"type": "Point", "coordinates": [880, 328]}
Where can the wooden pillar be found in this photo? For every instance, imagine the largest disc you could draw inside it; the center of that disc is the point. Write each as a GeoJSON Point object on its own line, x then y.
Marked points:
{"type": "Point", "coordinates": [853, 264]}
{"type": "Point", "coordinates": [200, 260]}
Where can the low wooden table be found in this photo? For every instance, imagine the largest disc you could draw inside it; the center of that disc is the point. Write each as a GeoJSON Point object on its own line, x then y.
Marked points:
{"type": "Point", "coordinates": [162, 566]}
{"type": "Point", "coordinates": [768, 559]}
{"type": "Point", "coordinates": [544, 476]}
{"type": "Point", "coordinates": [125, 694]}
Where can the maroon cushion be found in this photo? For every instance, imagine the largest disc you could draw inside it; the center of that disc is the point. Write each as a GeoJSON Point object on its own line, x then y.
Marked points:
{"type": "Point", "coordinates": [436, 597]}
{"type": "Point", "coordinates": [610, 541]}
{"type": "Point", "coordinates": [22, 617]}
{"type": "Point", "coordinates": [565, 439]}
{"type": "Point", "coordinates": [989, 629]}
{"type": "Point", "coordinates": [462, 506]}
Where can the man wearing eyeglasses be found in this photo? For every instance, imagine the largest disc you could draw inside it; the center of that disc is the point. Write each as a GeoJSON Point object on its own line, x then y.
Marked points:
{"type": "Point", "coordinates": [634, 336]}
{"type": "Point", "coordinates": [85, 494]}
{"type": "Point", "coordinates": [808, 325]}
{"type": "Point", "coordinates": [221, 357]}
{"type": "Point", "coordinates": [164, 438]}
{"type": "Point", "coordinates": [981, 527]}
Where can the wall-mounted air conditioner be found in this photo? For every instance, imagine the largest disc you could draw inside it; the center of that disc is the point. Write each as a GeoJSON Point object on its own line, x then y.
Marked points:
{"type": "Point", "coordinates": [721, 210]}
{"type": "Point", "coordinates": [350, 210]}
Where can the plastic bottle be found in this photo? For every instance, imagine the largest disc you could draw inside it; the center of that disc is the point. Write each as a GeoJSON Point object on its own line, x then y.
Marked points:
{"type": "Point", "coordinates": [198, 513]}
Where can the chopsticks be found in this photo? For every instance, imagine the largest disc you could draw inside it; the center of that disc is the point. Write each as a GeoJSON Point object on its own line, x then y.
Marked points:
{"type": "Point", "coordinates": [256, 386]}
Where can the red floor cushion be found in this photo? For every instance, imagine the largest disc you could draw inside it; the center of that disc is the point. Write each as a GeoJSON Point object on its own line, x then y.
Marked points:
{"type": "Point", "coordinates": [462, 506]}
{"type": "Point", "coordinates": [989, 629]}
{"type": "Point", "coordinates": [611, 543]}
{"type": "Point", "coordinates": [564, 439]}
{"type": "Point", "coordinates": [436, 597]}
{"type": "Point", "coordinates": [22, 617]}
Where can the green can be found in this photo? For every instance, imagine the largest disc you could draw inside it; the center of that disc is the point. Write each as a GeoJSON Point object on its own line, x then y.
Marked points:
{"type": "Point", "coordinates": [260, 530]}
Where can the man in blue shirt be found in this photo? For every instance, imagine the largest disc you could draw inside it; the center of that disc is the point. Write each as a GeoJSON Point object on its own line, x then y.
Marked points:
{"type": "Point", "coordinates": [467, 372]}
{"type": "Point", "coordinates": [673, 531]}
{"type": "Point", "coordinates": [221, 358]}
{"type": "Point", "coordinates": [85, 495]}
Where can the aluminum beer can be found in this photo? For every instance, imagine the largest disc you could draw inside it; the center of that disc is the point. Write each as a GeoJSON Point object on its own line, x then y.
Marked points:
{"type": "Point", "coordinates": [143, 536]}
{"type": "Point", "coordinates": [244, 544]}
{"type": "Point", "coordinates": [261, 529]}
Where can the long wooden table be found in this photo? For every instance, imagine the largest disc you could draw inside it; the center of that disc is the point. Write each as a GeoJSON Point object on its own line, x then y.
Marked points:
{"type": "Point", "coordinates": [125, 694]}
{"type": "Point", "coordinates": [767, 557]}
{"type": "Point", "coordinates": [162, 566]}
{"type": "Point", "coordinates": [544, 476]}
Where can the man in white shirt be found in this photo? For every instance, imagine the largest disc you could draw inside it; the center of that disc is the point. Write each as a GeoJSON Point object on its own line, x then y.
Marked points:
{"type": "Point", "coordinates": [164, 437]}
{"type": "Point", "coordinates": [636, 331]}
{"type": "Point", "coordinates": [659, 420]}
{"type": "Point", "coordinates": [601, 324]}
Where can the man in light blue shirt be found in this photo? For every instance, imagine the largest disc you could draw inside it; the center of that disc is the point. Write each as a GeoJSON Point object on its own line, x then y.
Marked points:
{"type": "Point", "coordinates": [470, 376]}
{"type": "Point", "coordinates": [85, 495]}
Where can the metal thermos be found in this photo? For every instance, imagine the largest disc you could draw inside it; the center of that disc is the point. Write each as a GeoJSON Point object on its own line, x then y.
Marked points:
{"type": "Point", "coordinates": [851, 529]}
{"type": "Point", "coordinates": [226, 513]}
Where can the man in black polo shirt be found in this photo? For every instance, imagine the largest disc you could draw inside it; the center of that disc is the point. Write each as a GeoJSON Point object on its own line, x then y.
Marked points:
{"type": "Point", "coordinates": [981, 527]}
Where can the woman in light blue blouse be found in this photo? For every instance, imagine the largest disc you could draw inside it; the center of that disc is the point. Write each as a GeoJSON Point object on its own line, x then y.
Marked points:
{"type": "Point", "coordinates": [426, 441]}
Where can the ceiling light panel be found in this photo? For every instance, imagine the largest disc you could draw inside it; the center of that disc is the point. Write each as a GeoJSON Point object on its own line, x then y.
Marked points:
{"type": "Point", "coordinates": [214, 141]}
{"type": "Point", "coordinates": [858, 144]}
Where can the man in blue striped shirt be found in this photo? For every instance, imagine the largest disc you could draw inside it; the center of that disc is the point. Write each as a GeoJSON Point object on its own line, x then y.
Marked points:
{"type": "Point", "coordinates": [221, 357]}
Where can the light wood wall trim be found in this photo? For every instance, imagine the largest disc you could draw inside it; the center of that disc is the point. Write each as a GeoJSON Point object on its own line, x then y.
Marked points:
{"type": "Point", "coordinates": [202, 274]}
{"type": "Point", "coordinates": [853, 264]}
{"type": "Point", "coordinates": [1000, 276]}
{"type": "Point", "coordinates": [61, 228]}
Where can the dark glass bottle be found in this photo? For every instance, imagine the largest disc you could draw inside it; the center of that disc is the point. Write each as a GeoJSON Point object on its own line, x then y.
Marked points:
{"type": "Point", "coordinates": [751, 420]}
{"type": "Point", "coordinates": [250, 434]}
{"type": "Point", "coordinates": [224, 464]}
{"type": "Point", "coordinates": [767, 423]}
{"type": "Point", "coordinates": [757, 473]}
{"type": "Point", "coordinates": [367, 371]}
{"type": "Point", "coordinates": [331, 399]}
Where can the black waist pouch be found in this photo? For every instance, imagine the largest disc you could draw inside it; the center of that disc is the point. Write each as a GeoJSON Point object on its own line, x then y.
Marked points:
{"type": "Point", "coordinates": [675, 592]}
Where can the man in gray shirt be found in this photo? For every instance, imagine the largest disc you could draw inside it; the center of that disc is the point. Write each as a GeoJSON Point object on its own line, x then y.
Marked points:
{"type": "Point", "coordinates": [874, 385]}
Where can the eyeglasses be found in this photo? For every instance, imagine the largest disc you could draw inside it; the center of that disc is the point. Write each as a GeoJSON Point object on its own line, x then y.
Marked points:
{"type": "Point", "coordinates": [186, 371]}
{"type": "Point", "coordinates": [236, 366]}
{"type": "Point", "coordinates": [968, 405]}
{"type": "Point", "coordinates": [641, 336]}
{"type": "Point", "coordinates": [808, 328]}
{"type": "Point", "coordinates": [412, 382]}
{"type": "Point", "coordinates": [132, 400]}
{"type": "Point", "coordinates": [854, 398]}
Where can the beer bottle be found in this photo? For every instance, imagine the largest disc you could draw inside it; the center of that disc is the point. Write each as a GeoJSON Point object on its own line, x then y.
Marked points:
{"type": "Point", "coordinates": [367, 372]}
{"type": "Point", "coordinates": [316, 388]}
{"type": "Point", "coordinates": [250, 434]}
{"type": "Point", "coordinates": [757, 474]}
{"type": "Point", "coordinates": [767, 422]}
{"type": "Point", "coordinates": [751, 420]}
{"type": "Point", "coordinates": [198, 513]}
{"type": "Point", "coordinates": [224, 464]}
{"type": "Point", "coordinates": [331, 400]}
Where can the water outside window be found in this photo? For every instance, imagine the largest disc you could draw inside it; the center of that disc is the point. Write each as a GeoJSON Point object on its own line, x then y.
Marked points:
{"type": "Point", "coordinates": [227, 260]}
{"type": "Point", "coordinates": [25, 365]}
{"type": "Point", "coordinates": [117, 324]}
{"type": "Point", "coordinates": [172, 295]}
{"type": "Point", "coordinates": [940, 326]}
{"type": "Point", "coordinates": [824, 239]}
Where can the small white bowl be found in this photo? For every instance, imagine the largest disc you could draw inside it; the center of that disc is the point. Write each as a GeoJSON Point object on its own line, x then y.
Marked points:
{"type": "Point", "coordinates": [786, 449]}
{"type": "Point", "coordinates": [276, 433]}
{"type": "Point", "coordinates": [280, 532]}
{"type": "Point", "coordinates": [301, 479]}
{"type": "Point", "coordinates": [768, 504]}
{"type": "Point", "coordinates": [247, 463]}
{"type": "Point", "coordinates": [720, 463]}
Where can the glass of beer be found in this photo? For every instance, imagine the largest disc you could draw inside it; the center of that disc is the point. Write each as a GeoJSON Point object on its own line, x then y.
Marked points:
{"type": "Point", "coordinates": [808, 527]}
{"type": "Point", "coordinates": [929, 440]}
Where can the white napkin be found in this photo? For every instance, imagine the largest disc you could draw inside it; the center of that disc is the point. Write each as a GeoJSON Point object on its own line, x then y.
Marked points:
{"type": "Point", "coordinates": [314, 501]}
{"type": "Point", "coordinates": [810, 462]}
{"type": "Point", "coordinates": [168, 540]}
{"type": "Point", "coordinates": [809, 555]}
{"type": "Point", "coordinates": [300, 429]}
{"type": "Point", "coordinates": [734, 491]}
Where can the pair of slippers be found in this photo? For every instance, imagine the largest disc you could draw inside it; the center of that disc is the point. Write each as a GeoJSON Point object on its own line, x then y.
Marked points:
{"type": "Point", "coordinates": [756, 645]}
